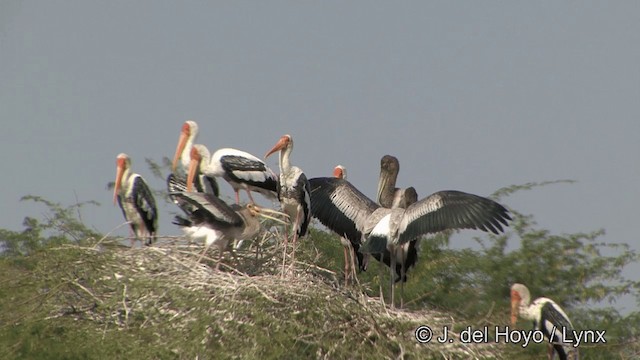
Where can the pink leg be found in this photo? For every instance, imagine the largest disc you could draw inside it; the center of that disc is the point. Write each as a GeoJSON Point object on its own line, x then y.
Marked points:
{"type": "Point", "coordinates": [295, 239]}
{"type": "Point", "coordinates": [251, 197]}
{"type": "Point", "coordinates": [237, 196]}
{"type": "Point", "coordinates": [346, 266]}
{"type": "Point", "coordinates": [284, 249]}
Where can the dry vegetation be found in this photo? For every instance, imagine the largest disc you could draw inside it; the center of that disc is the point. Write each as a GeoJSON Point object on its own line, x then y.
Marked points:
{"type": "Point", "coordinates": [103, 300]}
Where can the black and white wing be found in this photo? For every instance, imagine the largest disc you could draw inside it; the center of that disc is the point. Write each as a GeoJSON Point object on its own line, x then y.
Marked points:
{"type": "Point", "coordinates": [242, 167]}
{"type": "Point", "coordinates": [207, 184]}
{"type": "Point", "coordinates": [210, 209]}
{"type": "Point", "coordinates": [341, 207]}
{"type": "Point", "coordinates": [452, 210]}
{"type": "Point", "coordinates": [303, 189]}
{"type": "Point", "coordinates": [145, 204]}
{"type": "Point", "coordinates": [555, 323]}
{"type": "Point", "coordinates": [177, 184]}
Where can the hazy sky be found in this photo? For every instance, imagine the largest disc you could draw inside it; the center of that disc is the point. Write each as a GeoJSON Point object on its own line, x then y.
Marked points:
{"type": "Point", "coordinates": [469, 95]}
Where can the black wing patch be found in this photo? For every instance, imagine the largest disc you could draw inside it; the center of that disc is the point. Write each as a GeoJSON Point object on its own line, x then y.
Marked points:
{"type": "Point", "coordinates": [235, 163]}
{"type": "Point", "coordinates": [210, 209]}
{"type": "Point", "coordinates": [146, 205]}
{"type": "Point", "coordinates": [304, 199]}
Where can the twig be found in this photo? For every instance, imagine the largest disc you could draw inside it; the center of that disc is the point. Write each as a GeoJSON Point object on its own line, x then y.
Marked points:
{"type": "Point", "coordinates": [74, 282]}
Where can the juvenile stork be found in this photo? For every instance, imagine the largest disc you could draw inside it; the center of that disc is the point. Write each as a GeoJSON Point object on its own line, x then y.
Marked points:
{"type": "Point", "coordinates": [240, 169]}
{"type": "Point", "coordinates": [293, 193]}
{"type": "Point", "coordinates": [548, 317]}
{"type": "Point", "coordinates": [182, 157]}
{"type": "Point", "coordinates": [389, 196]}
{"type": "Point", "coordinates": [218, 223]}
{"type": "Point", "coordinates": [339, 205]}
{"type": "Point", "coordinates": [136, 201]}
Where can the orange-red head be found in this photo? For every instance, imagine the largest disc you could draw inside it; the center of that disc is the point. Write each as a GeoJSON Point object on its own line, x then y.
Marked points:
{"type": "Point", "coordinates": [189, 132]}
{"type": "Point", "coordinates": [340, 172]}
{"type": "Point", "coordinates": [123, 163]}
{"type": "Point", "coordinates": [284, 142]}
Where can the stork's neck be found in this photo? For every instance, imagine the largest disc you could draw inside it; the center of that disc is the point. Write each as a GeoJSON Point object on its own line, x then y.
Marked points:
{"type": "Point", "coordinates": [283, 157]}
{"type": "Point", "coordinates": [386, 189]}
{"type": "Point", "coordinates": [527, 310]}
{"type": "Point", "coordinates": [185, 157]}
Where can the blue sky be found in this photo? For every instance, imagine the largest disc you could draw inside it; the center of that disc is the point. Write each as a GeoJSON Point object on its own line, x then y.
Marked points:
{"type": "Point", "coordinates": [470, 96]}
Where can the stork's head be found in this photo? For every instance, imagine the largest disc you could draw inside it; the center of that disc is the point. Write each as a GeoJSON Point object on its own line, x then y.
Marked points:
{"type": "Point", "coordinates": [188, 133]}
{"type": "Point", "coordinates": [199, 154]}
{"type": "Point", "coordinates": [123, 163]}
{"type": "Point", "coordinates": [255, 210]}
{"type": "Point", "coordinates": [390, 163]}
{"type": "Point", "coordinates": [340, 172]}
{"type": "Point", "coordinates": [285, 142]}
{"type": "Point", "coordinates": [519, 296]}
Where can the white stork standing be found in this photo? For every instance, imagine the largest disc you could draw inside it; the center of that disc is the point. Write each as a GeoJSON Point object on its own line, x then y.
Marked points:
{"type": "Point", "coordinates": [548, 317]}
{"type": "Point", "coordinates": [351, 244]}
{"type": "Point", "coordinates": [218, 223]}
{"type": "Point", "coordinates": [136, 201]}
{"type": "Point", "coordinates": [293, 193]}
{"type": "Point", "coordinates": [188, 135]}
{"type": "Point", "coordinates": [339, 205]}
{"type": "Point", "coordinates": [389, 196]}
{"type": "Point", "coordinates": [240, 169]}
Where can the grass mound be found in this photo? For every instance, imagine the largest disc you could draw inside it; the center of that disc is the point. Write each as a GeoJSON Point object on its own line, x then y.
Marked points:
{"type": "Point", "coordinates": [102, 300]}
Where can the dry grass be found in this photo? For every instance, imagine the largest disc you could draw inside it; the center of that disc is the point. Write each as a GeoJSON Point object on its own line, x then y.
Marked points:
{"type": "Point", "coordinates": [158, 302]}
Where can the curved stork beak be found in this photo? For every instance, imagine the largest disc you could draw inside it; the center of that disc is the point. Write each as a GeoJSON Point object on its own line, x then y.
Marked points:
{"type": "Point", "coordinates": [281, 144]}
{"type": "Point", "coordinates": [182, 142]}
{"type": "Point", "coordinates": [262, 212]}
{"type": "Point", "coordinates": [193, 167]}
{"type": "Point", "coordinates": [382, 183]}
{"type": "Point", "coordinates": [515, 305]}
{"type": "Point", "coordinates": [120, 165]}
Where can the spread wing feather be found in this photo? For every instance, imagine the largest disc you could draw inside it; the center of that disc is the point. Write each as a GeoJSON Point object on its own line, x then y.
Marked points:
{"type": "Point", "coordinates": [216, 210]}
{"type": "Point", "coordinates": [452, 210]}
{"type": "Point", "coordinates": [340, 206]}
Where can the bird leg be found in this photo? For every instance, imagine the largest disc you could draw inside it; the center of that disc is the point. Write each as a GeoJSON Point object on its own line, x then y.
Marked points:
{"type": "Point", "coordinates": [295, 239]}
{"type": "Point", "coordinates": [346, 266]}
{"type": "Point", "coordinates": [550, 352]}
{"type": "Point", "coordinates": [284, 248]}
{"type": "Point", "coordinates": [393, 275]}
{"type": "Point", "coordinates": [220, 255]}
{"type": "Point", "coordinates": [206, 247]}
{"type": "Point", "coordinates": [250, 197]}
{"type": "Point", "coordinates": [237, 196]}
{"type": "Point", "coordinates": [353, 265]}
{"type": "Point", "coordinates": [402, 275]}
{"type": "Point", "coordinates": [132, 238]}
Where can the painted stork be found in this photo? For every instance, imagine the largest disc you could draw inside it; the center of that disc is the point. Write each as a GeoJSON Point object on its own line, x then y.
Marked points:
{"type": "Point", "coordinates": [293, 193]}
{"type": "Point", "coordinates": [240, 169]}
{"type": "Point", "coordinates": [136, 201]}
{"type": "Point", "coordinates": [339, 205]}
{"type": "Point", "coordinates": [351, 244]}
{"type": "Point", "coordinates": [389, 196]}
{"type": "Point", "coordinates": [218, 223]}
{"type": "Point", "coordinates": [548, 317]}
{"type": "Point", "coordinates": [188, 135]}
